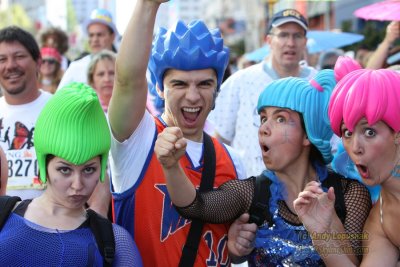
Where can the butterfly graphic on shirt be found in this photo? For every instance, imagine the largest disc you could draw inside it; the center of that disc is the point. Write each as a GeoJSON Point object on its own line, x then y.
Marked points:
{"type": "Point", "coordinates": [22, 137]}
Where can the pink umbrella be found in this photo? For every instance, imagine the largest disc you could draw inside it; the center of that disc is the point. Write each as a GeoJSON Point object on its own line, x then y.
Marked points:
{"type": "Point", "coordinates": [385, 11]}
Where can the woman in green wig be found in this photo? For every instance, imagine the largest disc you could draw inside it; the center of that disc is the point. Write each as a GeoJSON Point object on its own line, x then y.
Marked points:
{"type": "Point", "coordinates": [72, 141]}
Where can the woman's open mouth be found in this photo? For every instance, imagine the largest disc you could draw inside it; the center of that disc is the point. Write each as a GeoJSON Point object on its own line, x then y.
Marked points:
{"type": "Point", "coordinates": [363, 171]}
{"type": "Point", "coordinates": [264, 150]}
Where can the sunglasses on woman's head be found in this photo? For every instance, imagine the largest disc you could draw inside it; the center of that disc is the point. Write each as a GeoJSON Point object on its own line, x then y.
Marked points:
{"type": "Point", "coordinates": [49, 61]}
{"type": "Point", "coordinates": [328, 66]}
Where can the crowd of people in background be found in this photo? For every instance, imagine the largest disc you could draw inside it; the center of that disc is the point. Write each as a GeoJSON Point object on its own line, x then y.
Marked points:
{"type": "Point", "coordinates": [152, 154]}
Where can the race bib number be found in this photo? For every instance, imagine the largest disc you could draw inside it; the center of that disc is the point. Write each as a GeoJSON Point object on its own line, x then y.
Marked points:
{"type": "Point", "coordinates": [23, 171]}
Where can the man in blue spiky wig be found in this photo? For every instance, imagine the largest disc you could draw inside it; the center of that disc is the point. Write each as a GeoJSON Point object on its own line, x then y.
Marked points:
{"type": "Point", "coordinates": [186, 47]}
{"type": "Point", "coordinates": [185, 64]}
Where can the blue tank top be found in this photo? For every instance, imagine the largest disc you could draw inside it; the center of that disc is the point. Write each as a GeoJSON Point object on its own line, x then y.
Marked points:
{"type": "Point", "coordinates": [23, 243]}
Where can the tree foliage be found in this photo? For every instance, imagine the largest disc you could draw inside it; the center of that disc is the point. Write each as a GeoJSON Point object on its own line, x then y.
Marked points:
{"type": "Point", "coordinates": [72, 21]}
{"type": "Point", "coordinates": [373, 32]}
{"type": "Point", "coordinates": [16, 15]}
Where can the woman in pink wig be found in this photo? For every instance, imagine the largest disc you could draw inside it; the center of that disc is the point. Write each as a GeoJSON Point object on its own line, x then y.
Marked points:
{"type": "Point", "coordinates": [364, 110]}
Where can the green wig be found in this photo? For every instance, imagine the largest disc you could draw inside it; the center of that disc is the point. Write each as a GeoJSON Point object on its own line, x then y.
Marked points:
{"type": "Point", "coordinates": [72, 126]}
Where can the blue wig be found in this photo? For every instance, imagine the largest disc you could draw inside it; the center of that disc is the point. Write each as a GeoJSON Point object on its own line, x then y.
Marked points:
{"type": "Point", "coordinates": [151, 85]}
{"type": "Point", "coordinates": [311, 100]}
{"type": "Point", "coordinates": [186, 47]}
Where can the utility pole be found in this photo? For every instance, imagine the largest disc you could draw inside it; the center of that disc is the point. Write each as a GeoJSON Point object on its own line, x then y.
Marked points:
{"type": "Point", "coordinates": [255, 32]}
{"type": "Point", "coordinates": [271, 4]}
{"type": "Point", "coordinates": [327, 17]}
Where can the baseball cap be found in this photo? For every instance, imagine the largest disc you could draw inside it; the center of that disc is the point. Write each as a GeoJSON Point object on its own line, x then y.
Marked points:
{"type": "Point", "coordinates": [288, 15]}
{"type": "Point", "coordinates": [103, 16]}
{"type": "Point", "coordinates": [50, 52]}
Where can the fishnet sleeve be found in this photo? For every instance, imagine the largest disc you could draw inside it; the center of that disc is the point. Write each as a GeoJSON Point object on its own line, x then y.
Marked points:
{"type": "Point", "coordinates": [358, 205]}
{"type": "Point", "coordinates": [223, 204]}
{"type": "Point", "coordinates": [126, 251]}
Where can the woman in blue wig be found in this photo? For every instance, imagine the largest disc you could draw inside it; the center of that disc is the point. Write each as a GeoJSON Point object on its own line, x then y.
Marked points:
{"type": "Point", "coordinates": [294, 137]}
{"type": "Point", "coordinates": [72, 142]}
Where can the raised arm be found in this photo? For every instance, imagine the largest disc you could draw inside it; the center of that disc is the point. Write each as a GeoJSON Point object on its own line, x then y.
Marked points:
{"type": "Point", "coordinates": [169, 148]}
{"type": "Point", "coordinates": [128, 102]}
{"type": "Point", "coordinates": [379, 56]}
{"type": "Point", "coordinates": [221, 205]}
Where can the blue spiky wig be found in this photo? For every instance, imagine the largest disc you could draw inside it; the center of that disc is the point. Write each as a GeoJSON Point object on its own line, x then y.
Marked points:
{"type": "Point", "coordinates": [186, 47]}
{"type": "Point", "coordinates": [310, 99]}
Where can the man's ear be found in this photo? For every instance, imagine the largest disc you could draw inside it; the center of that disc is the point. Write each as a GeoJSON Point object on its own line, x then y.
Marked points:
{"type": "Point", "coordinates": [216, 92]}
{"type": "Point", "coordinates": [267, 39]}
{"type": "Point", "coordinates": [38, 65]}
{"type": "Point", "coordinates": [159, 92]}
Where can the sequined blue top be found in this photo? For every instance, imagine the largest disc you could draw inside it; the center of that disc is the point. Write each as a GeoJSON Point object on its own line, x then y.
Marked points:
{"type": "Point", "coordinates": [284, 244]}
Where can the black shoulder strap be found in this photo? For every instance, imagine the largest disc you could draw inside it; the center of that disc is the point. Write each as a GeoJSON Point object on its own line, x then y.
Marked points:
{"type": "Point", "coordinates": [259, 209]}
{"type": "Point", "coordinates": [189, 251]}
{"type": "Point", "coordinates": [334, 180]}
{"type": "Point", "coordinates": [7, 204]}
{"type": "Point", "coordinates": [104, 234]}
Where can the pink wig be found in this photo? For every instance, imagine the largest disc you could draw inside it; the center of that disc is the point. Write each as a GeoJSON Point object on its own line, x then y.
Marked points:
{"type": "Point", "coordinates": [363, 93]}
